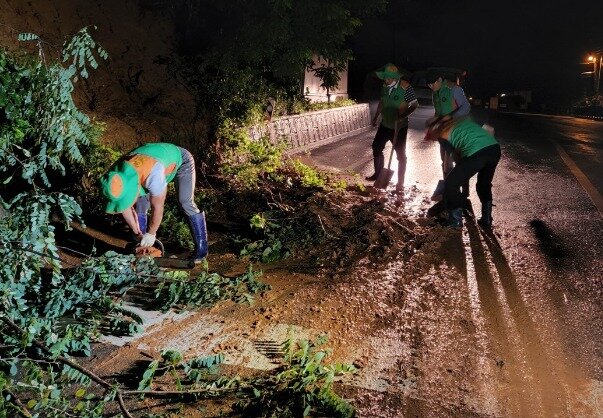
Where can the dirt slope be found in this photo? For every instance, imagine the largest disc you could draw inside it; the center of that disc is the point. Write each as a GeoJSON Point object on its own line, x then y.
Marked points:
{"type": "Point", "coordinates": [131, 92]}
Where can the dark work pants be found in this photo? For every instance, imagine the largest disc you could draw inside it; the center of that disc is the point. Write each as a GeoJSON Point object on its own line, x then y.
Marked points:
{"type": "Point", "coordinates": [381, 137]}
{"type": "Point", "coordinates": [483, 163]}
{"type": "Point", "coordinates": [448, 156]}
{"type": "Point", "coordinates": [385, 134]}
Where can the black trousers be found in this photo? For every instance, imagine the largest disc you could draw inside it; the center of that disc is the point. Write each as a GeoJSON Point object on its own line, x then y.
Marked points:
{"type": "Point", "coordinates": [483, 163]}
{"type": "Point", "coordinates": [385, 134]}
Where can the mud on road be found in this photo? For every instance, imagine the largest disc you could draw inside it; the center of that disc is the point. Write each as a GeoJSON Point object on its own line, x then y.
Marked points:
{"type": "Point", "coordinates": [433, 318]}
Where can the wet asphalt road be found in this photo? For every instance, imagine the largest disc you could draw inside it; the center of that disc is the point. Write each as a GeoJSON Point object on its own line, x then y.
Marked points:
{"type": "Point", "coordinates": [538, 279]}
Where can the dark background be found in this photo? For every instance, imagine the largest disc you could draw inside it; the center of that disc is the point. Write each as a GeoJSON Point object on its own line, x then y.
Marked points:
{"type": "Point", "coordinates": [503, 45]}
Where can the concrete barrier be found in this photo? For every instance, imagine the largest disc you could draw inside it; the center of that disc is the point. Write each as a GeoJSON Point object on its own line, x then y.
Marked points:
{"type": "Point", "coordinates": [306, 130]}
{"type": "Point", "coordinates": [590, 112]}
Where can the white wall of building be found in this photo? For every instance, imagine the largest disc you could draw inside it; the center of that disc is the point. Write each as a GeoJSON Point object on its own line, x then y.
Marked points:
{"type": "Point", "coordinates": [315, 93]}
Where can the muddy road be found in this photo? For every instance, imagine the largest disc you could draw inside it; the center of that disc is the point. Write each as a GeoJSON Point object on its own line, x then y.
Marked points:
{"type": "Point", "coordinates": [524, 322]}
{"type": "Point", "coordinates": [439, 322]}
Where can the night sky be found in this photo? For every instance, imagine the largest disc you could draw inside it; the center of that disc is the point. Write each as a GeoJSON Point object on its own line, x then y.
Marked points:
{"type": "Point", "coordinates": [504, 45]}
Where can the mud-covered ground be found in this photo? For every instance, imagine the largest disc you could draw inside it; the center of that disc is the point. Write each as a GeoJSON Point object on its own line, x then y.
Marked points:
{"type": "Point", "coordinates": [439, 322]}
{"type": "Point", "coordinates": [401, 308]}
{"type": "Point", "coordinates": [373, 283]}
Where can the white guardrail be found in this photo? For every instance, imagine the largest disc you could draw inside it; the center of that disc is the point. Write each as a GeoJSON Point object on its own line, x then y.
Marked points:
{"type": "Point", "coordinates": [313, 128]}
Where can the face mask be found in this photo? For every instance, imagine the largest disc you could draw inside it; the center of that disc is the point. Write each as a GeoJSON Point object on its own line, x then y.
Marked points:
{"type": "Point", "coordinates": [392, 84]}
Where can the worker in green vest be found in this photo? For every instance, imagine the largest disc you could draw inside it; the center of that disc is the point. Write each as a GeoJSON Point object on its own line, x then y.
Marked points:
{"type": "Point", "coordinates": [450, 102]}
{"type": "Point", "coordinates": [138, 182]}
{"type": "Point", "coordinates": [479, 154]}
{"type": "Point", "coordinates": [398, 100]}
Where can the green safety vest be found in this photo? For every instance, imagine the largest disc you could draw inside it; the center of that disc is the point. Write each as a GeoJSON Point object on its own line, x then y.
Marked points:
{"type": "Point", "coordinates": [169, 155]}
{"type": "Point", "coordinates": [443, 101]}
{"type": "Point", "coordinates": [390, 105]}
{"type": "Point", "coordinates": [467, 137]}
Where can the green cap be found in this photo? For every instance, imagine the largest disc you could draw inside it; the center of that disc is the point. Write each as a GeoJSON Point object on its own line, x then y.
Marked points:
{"type": "Point", "coordinates": [389, 71]}
{"type": "Point", "coordinates": [121, 186]}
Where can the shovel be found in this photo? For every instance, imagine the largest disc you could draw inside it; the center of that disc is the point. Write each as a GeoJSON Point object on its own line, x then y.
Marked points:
{"type": "Point", "coordinates": [386, 174]}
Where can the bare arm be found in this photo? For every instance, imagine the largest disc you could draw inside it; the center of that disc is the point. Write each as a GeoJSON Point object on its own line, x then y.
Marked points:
{"type": "Point", "coordinates": [132, 220]}
{"type": "Point", "coordinates": [157, 203]}
{"type": "Point", "coordinates": [445, 130]}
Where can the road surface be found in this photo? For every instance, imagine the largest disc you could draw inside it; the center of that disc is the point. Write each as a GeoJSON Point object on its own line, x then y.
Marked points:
{"type": "Point", "coordinates": [536, 284]}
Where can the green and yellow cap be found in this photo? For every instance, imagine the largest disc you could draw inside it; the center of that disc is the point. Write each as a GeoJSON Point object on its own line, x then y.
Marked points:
{"type": "Point", "coordinates": [121, 186]}
{"type": "Point", "coordinates": [389, 71]}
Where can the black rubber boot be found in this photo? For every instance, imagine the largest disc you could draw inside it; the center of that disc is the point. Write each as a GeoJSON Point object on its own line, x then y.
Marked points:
{"type": "Point", "coordinates": [486, 220]}
{"type": "Point", "coordinates": [199, 233]}
{"type": "Point", "coordinates": [438, 193]}
{"type": "Point", "coordinates": [455, 218]}
{"type": "Point", "coordinates": [378, 162]}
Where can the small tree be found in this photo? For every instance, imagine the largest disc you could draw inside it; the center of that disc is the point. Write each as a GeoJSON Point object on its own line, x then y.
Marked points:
{"type": "Point", "coordinates": [329, 74]}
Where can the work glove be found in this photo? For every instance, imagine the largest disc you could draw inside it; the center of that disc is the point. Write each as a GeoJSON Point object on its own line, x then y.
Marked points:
{"type": "Point", "coordinates": [147, 240]}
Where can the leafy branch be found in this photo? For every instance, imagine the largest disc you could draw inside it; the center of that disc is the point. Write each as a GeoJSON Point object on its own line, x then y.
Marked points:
{"type": "Point", "coordinates": [301, 386]}
{"type": "Point", "coordinates": [41, 125]}
{"type": "Point", "coordinates": [178, 290]}
{"type": "Point", "coordinates": [49, 313]}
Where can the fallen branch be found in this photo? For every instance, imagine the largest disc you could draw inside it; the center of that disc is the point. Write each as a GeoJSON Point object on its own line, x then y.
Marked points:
{"type": "Point", "coordinates": [171, 393]}
{"type": "Point", "coordinates": [324, 230]}
{"type": "Point", "coordinates": [390, 219]}
{"type": "Point", "coordinates": [93, 376]}
{"type": "Point", "coordinates": [105, 384]}
{"type": "Point", "coordinates": [22, 409]}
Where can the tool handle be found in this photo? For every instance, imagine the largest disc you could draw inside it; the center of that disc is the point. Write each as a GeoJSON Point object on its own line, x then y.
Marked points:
{"type": "Point", "coordinates": [158, 244]}
{"type": "Point", "coordinates": [391, 154]}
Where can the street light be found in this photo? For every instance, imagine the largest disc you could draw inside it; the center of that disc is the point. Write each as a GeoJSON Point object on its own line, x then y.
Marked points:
{"type": "Point", "coordinates": [596, 57]}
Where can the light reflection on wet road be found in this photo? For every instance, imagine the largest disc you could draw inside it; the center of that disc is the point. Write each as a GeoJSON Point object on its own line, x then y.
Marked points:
{"type": "Point", "coordinates": [535, 285]}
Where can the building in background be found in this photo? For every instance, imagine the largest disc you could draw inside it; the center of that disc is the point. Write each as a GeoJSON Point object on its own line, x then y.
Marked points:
{"type": "Point", "coordinates": [312, 84]}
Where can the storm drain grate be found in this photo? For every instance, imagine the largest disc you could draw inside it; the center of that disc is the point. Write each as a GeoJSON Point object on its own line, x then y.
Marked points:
{"type": "Point", "coordinates": [269, 348]}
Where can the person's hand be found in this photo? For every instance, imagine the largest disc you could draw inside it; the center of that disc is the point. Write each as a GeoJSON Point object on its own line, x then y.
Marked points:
{"type": "Point", "coordinates": [147, 240]}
